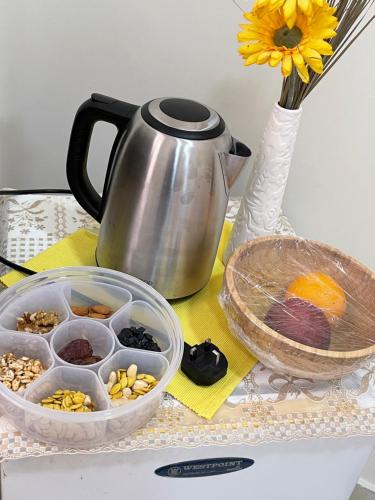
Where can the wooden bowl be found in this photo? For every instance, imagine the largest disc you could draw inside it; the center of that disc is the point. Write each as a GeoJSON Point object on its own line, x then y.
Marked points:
{"type": "Point", "coordinates": [259, 272]}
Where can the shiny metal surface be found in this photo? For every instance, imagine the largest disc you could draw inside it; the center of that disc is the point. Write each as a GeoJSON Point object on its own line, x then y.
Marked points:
{"type": "Point", "coordinates": [211, 122]}
{"type": "Point", "coordinates": [165, 208]}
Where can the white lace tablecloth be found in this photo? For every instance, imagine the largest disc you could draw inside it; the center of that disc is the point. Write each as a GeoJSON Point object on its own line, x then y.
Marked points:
{"type": "Point", "coordinates": [266, 406]}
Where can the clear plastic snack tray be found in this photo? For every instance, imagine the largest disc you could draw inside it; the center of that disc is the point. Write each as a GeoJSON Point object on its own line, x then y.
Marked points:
{"type": "Point", "coordinates": [133, 304]}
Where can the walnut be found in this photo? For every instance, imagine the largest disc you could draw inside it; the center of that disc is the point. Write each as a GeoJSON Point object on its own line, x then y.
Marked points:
{"type": "Point", "coordinates": [38, 322]}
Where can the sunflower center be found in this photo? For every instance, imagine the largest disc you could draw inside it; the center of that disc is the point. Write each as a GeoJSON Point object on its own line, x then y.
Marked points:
{"type": "Point", "coordinates": [289, 38]}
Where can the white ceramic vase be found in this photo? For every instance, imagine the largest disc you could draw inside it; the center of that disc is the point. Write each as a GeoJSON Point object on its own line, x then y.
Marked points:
{"type": "Point", "coordinates": [261, 203]}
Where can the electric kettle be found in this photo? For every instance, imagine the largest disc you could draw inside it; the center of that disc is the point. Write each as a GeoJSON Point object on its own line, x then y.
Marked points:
{"type": "Point", "coordinates": [166, 190]}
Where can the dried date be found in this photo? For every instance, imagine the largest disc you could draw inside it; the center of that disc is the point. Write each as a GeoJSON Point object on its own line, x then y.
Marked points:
{"type": "Point", "coordinates": [75, 350]}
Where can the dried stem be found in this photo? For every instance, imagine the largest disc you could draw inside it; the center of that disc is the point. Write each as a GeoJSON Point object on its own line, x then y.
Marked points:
{"type": "Point", "coordinates": [352, 22]}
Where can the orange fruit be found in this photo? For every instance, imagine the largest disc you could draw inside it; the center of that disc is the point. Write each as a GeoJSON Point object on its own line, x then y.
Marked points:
{"type": "Point", "coordinates": [322, 291]}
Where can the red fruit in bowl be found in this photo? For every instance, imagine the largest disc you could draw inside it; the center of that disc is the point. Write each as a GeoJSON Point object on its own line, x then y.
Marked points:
{"type": "Point", "coordinates": [301, 321]}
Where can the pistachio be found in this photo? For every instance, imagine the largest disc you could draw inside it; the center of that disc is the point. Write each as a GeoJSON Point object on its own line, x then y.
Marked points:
{"type": "Point", "coordinates": [150, 379]}
{"type": "Point", "coordinates": [47, 400]}
{"type": "Point", "coordinates": [124, 382]}
{"type": "Point", "coordinates": [79, 398]}
{"type": "Point", "coordinates": [131, 381]}
{"type": "Point", "coordinates": [48, 405]}
{"type": "Point", "coordinates": [140, 392]}
{"type": "Point", "coordinates": [116, 388]}
{"type": "Point", "coordinates": [129, 386]}
{"type": "Point", "coordinates": [75, 407]}
{"type": "Point", "coordinates": [68, 401]}
{"type": "Point", "coordinates": [118, 395]}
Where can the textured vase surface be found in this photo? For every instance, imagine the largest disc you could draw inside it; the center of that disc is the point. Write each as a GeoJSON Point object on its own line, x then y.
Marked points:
{"type": "Point", "coordinates": [261, 203]}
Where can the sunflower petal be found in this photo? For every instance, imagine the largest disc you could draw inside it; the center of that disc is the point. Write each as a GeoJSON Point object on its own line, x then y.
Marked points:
{"type": "Point", "coordinates": [252, 28]}
{"type": "Point", "coordinates": [249, 16]}
{"type": "Point", "coordinates": [325, 33]}
{"type": "Point", "coordinates": [251, 59]}
{"type": "Point", "coordinates": [247, 50]}
{"type": "Point", "coordinates": [289, 11]}
{"type": "Point", "coordinates": [321, 46]}
{"type": "Point", "coordinates": [259, 4]}
{"type": "Point", "coordinates": [315, 64]}
{"type": "Point", "coordinates": [276, 4]}
{"type": "Point", "coordinates": [263, 57]}
{"type": "Point", "coordinates": [244, 36]}
{"type": "Point", "coordinates": [313, 59]}
{"type": "Point", "coordinates": [314, 18]}
{"type": "Point", "coordinates": [250, 35]}
{"type": "Point", "coordinates": [287, 65]}
{"type": "Point", "coordinates": [304, 5]}
{"type": "Point", "coordinates": [301, 68]}
{"type": "Point", "coordinates": [309, 52]}
{"type": "Point", "coordinates": [275, 58]}
{"type": "Point", "coordinates": [303, 74]}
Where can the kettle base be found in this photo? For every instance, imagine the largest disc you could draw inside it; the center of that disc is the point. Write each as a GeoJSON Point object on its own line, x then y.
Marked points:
{"type": "Point", "coordinates": [167, 296]}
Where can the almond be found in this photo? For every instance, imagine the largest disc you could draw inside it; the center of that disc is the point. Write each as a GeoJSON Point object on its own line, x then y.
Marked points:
{"type": "Point", "coordinates": [96, 315]}
{"type": "Point", "coordinates": [80, 310]}
{"type": "Point", "coordinates": [101, 309]}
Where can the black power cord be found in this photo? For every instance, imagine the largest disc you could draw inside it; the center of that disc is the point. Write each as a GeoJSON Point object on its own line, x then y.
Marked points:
{"type": "Point", "coordinates": [15, 192]}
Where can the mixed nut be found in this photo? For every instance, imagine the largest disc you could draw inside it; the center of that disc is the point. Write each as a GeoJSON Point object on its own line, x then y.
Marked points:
{"type": "Point", "coordinates": [125, 385]}
{"type": "Point", "coordinates": [17, 373]}
{"type": "Point", "coordinates": [138, 338]}
{"type": "Point", "coordinates": [38, 322]}
{"type": "Point", "coordinates": [97, 311]}
{"type": "Point", "coordinates": [69, 401]}
{"type": "Point", "coordinates": [79, 352]}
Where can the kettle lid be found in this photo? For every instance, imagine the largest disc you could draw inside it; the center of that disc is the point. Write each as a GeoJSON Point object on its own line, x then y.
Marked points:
{"type": "Point", "coordinates": [183, 118]}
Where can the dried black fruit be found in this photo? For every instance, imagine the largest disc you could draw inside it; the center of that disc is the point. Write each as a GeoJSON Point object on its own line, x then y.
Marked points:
{"type": "Point", "coordinates": [138, 338]}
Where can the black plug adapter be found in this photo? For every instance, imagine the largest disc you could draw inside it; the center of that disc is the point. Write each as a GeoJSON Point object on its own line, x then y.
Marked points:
{"type": "Point", "coordinates": [204, 363]}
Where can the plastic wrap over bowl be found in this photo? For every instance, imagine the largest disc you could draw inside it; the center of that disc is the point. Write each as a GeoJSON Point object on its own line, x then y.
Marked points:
{"type": "Point", "coordinates": [301, 307]}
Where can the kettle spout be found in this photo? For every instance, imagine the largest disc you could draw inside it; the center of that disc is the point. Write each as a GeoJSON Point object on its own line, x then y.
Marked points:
{"type": "Point", "coordinates": [233, 162]}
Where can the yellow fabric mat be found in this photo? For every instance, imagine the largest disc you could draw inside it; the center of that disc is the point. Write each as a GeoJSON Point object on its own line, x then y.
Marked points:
{"type": "Point", "coordinates": [201, 317]}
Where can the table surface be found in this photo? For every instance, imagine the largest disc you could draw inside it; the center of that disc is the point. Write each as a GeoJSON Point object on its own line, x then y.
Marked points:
{"type": "Point", "coordinates": [265, 407]}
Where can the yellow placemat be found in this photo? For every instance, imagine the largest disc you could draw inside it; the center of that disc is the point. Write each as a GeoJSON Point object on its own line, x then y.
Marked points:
{"type": "Point", "coordinates": [201, 317]}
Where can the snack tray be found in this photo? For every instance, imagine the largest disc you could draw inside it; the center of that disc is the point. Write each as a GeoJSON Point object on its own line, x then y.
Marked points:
{"type": "Point", "coordinates": [133, 303]}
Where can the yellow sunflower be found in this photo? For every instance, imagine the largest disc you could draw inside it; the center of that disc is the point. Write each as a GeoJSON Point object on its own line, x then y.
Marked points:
{"type": "Point", "coordinates": [289, 8]}
{"type": "Point", "coordinates": [272, 41]}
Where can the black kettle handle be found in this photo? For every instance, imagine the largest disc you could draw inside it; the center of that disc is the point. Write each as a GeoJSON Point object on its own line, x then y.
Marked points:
{"type": "Point", "coordinates": [98, 108]}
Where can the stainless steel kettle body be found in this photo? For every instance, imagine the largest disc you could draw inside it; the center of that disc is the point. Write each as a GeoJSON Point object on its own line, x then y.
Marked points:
{"type": "Point", "coordinates": [166, 191]}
